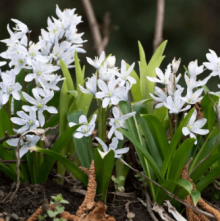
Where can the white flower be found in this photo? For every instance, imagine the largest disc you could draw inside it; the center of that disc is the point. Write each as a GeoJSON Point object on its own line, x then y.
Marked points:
{"type": "Point", "coordinates": [175, 103]}
{"type": "Point", "coordinates": [193, 97]}
{"type": "Point", "coordinates": [175, 64]}
{"type": "Point", "coordinates": [20, 27]}
{"type": "Point", "coordinates": [30, 141]}
{"type": "Point", "coordinates": [9, 87]}
{"type": "Point", "coordinates": [162, 96]}
{"type": "Point", "coordinates": [113, 146]}
{"type": "Point", "coordinates": [86, 129]}
{"type": "Point", "coordinates": [109, 92]}
{"type": "Point", "coordinates": [91, 86]}
{"type": "Point", "coordinates": [213, 64]}
{"type": "Point", "coordinates": [28, 122]}
{"type": "Point", "coordinates": [111, 61]}
{"type": "Point", "coordinates": [192, 83]}
{"type": "Point", "coordinates": [194, 127]}
{"type": "Point", "coordinates": [163, 78]}
{"type": "Point", "coordinates": [97, 62]}
{"type": "Point", "coordinates": [118, 122]}
{"type": "Point", "coordinates": [194, 69]}
{"type": "Point", "coordinates": [124, 75]}
{"type": "Point", "coordinates": [104, 73]}
{"type": "Point", "coordinates": [40, 104]}
{"type": "Point", "coordinates": [2, 63]}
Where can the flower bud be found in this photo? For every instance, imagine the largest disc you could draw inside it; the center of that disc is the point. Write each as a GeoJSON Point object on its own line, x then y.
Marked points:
{"type": "Point", "coordinates": [111, 61]}
{"type": "Point", "coordinates": [175, 65]}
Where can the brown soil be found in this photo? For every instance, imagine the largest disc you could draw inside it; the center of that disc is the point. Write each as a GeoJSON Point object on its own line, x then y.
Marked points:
{"type": "Point", "coordinates": [30, 197]}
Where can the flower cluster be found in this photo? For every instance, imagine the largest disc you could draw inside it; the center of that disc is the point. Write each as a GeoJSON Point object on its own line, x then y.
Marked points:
{"type": "Point", "coordinates": [111, 87]}
{"type": "Point", "coordinates": [171, 95]}
{"type": "Point", "coordinates": [38, 62]}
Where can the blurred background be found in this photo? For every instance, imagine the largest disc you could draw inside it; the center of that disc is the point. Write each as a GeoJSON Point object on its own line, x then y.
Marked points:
{"type": "Point", "coordinates": [191, 27]}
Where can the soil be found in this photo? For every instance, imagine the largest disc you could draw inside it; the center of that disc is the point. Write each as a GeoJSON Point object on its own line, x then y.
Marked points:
{"type": "Point", "coordinates": [30, 197]}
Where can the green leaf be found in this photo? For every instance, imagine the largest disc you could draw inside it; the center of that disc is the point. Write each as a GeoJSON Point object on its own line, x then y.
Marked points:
{"type": "Point", "coordinates": [146, 154]}
{"type": "Point", "coordinates": [209, 178]}
{"type": "Point", "coordinates": [156, 134]}
{"type": "Point", "coordinates": [147, 86]}
{"type": "Point", "coordinates": [204, 166]}
{"type": "Point", "coordinates": [175, 141]}
{"type": "Point", "coordinates": [195, 195]}
{"type": "Point", "coordinates": [51, 213]}
{"type": "Point", "coordinates": [66, 163]}
{"type": "Point", "coordinates": [66, 74]}
{"type": "Point", "coordinates": [103, 170]}
{"type": "Point", "coordinates": [49, 161]}
{"type": "Point", "coordinates": [179, 159]}
{"type": "Point", "coordinates": [161, 114]}
{"type": "Point", "coordinates": [171, 186]}
{"type": "Point", "coordinates": [79, 73]}
{"type": "Point", "coordinates": [81, 145]}
{"type": "Point", "coordinates": [208, 110]}
{"type": "Point", "coordinates": [11, 174]}
{"type": "Point", "coordinates": [134, 130]}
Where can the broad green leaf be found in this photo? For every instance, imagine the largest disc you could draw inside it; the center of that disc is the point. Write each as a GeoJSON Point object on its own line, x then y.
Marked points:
{"type": "Point", "coordinates": [175, 141]}
{"type": "Point", "coordinates": [156, 130]}
{"type": "Point", "coordinates": [146, 154]}
{"type": "Point", "coordinates": [172, 185]}
{"type": "Point", "coordinates": [103, 169]}
{"type": "Point", "coordinates": [204, 151]}
{"type": "Point", "coordinates": [81, 145]}
{"type": "Point", "coordinates": [161, 113]}
{"type": "Point", "coordinates": [204, 166]}
{"type": "Point", "coordinates": [143, 71]}
{"type": "Point", "coordinates": [209, 178]}
{"type": "Point", "coordinates": [147, 86]}
{"type": "Point", "coordinates": [195, 195]}
{"type": "Point", "coordinates": [11, 174]}
{"type": "Point", "coordinates": [64, 99]}
{"type": "Point", "coordinates": [66, 74]}
{"type": "Point", "coordinates": [179, 159]}
{"type": "Point", "coordinates": [78, 71]}
{"type": "Point", "coordinates": [66, 163]}
{"type": "Point", "coordinates": [134, 130]}
{"type": "Point", "coordinates": [135, 89]}
{"type": "Point", "coordinates": [208, 110]}
{"type": "Point", "coordinates": [49, 161]}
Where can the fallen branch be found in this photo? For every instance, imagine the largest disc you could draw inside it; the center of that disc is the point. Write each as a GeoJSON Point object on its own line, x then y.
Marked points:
{"type": "Point", "coordinates": [149, 209]}
{"type": "Point", "coordinates": [169, 193]}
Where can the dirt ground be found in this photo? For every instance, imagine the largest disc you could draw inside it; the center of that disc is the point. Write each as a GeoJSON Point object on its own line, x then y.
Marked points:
{"type": "Point", "coordinates": [30, 197]}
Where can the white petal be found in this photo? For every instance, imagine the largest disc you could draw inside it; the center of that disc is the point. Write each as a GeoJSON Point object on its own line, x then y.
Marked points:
{"type": "Point", "coordinates": [52, 110]}
{"type": "Point", "coordinates": [82, 119]}
{"type": "Point", "coordinates": [119, 135]}
{"type": "Point", "coordinates": [105, 102]}
{"type": "Point", "coordinates": [78, 135]}
{"type": "Point", "coordinates": [185, 131]}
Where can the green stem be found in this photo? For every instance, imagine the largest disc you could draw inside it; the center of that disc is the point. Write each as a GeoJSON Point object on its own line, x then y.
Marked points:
{"type": "Point", "coordinates": [90, 160]}
{"type": "Point", "coordinates": [101, 122]}
{"type": "Point", "coordinates": [171, 126]}
{"type": "Point", "coordinates": [200, 152]}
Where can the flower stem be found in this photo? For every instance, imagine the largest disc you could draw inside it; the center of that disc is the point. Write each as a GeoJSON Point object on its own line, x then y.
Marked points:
{"type": "Point", "coordinates": [101, 122]}
{"type": "Point", "coordinates": [171, 125]}
{"type": "Point", "coordinates": [90, 160]}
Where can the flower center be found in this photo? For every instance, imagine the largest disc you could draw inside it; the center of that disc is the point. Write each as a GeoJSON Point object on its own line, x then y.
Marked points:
{"type": "Point", "coordinates": [85, 130]}
{"type": "Point", "coordinates": [40, 105]}
{"type": "Point", "coordinates": [20, 61]}
{"type": "Point", "coordinates": [9, 90]}
{"type": "Point", "coordinates": [30, 122]}
{"type": "Point", "coordinates": [39, 73]}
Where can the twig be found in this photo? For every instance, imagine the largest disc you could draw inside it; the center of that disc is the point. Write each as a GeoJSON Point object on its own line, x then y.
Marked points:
{"type": "Point", "coordinates": [7, 137]}
{"type": "Point", "coordinates": [158, 35]}
{"type": "Point", "coordinates": [167, 192]}
{"type": "Point", "coordinates": [148, 201]}
{"type": "Point", "coordinates": [100, 44]}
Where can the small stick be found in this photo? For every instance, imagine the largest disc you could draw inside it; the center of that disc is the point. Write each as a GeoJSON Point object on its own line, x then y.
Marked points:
{"type": "Point", "coordinates": [148, 201]}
